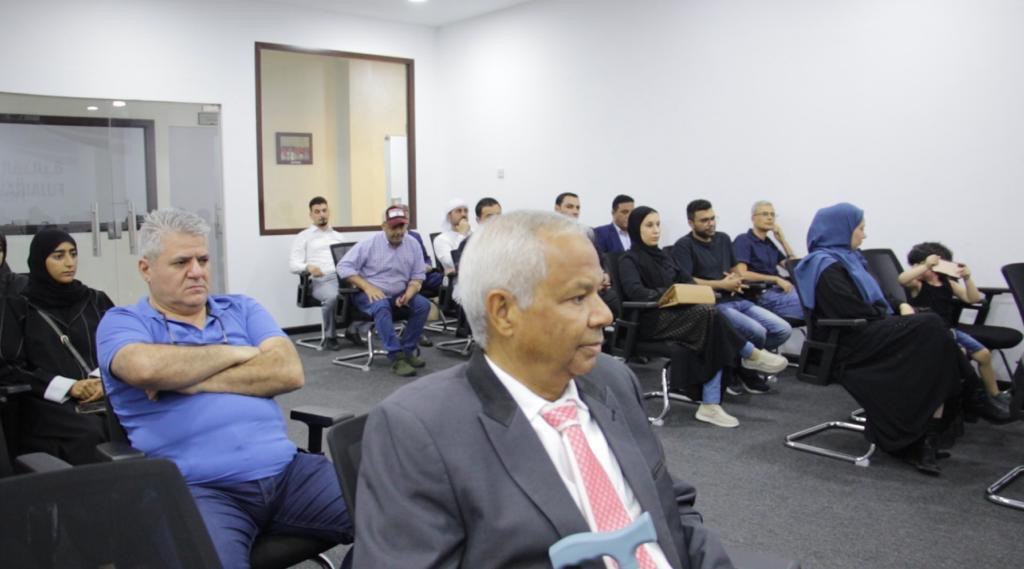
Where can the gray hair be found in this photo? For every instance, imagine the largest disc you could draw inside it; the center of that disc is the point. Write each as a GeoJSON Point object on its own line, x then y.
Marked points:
{"type": "Point", "coordinates": [507, 253]}
{"type": "Point", "coordinates": [160, 222]}
{"type": "Point", "coordinates": [757, 204]}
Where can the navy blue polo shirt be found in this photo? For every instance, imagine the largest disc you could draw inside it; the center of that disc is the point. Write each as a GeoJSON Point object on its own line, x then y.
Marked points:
{"type": "Point", "coordinates": [760, 255]}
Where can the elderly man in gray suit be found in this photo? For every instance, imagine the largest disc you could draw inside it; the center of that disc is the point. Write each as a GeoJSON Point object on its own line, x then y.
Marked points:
{"type": "Point", "coordinates": [489, 463]}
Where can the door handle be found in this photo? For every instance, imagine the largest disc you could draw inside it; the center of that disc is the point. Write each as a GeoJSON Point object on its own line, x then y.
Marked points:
{"type": "Point", "coordinates": [95, 230]}
{"type": "Point", "coordinates": [133, 236]}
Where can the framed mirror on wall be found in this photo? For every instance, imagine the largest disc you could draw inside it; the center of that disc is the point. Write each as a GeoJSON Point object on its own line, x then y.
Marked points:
{"type": "Point", "coordinates": [333, 124]}
{"type": "Point", "coordinates": [95, 167]}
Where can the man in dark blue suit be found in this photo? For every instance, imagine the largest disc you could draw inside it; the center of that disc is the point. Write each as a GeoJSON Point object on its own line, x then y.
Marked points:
{"type": "Point", "coordinates": [613, 238]}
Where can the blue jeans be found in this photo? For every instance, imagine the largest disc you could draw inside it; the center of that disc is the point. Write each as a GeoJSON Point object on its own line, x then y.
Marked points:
{"type": "Point", "coordinates": [967, 342]}
{"type": "Point", "coordinates": [382, 313]}
{"type": "Point", "coordinates": [759, 326]}
{"type": "Point", "coordinates": [303, 500]}
{"type": "Point", "coordinates": [712, 390]}
{"type": "Point", "coordinates": [786, 305]}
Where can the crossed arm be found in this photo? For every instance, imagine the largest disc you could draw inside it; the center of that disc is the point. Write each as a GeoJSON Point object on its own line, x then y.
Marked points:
{"type": "Point", "coordinates": [267, 370]}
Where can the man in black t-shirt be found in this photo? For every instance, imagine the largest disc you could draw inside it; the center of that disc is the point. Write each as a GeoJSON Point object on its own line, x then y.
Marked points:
{"type": "Point", "coordinates": [707, 255]}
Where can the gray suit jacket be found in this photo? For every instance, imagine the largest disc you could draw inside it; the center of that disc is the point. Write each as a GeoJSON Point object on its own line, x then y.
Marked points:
{"type": "Point", "coordinates": [453, 475]}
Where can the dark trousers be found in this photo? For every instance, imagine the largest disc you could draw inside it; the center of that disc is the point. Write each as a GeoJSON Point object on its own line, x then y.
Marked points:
{"type": "Point", "coordinates": [304, 500]}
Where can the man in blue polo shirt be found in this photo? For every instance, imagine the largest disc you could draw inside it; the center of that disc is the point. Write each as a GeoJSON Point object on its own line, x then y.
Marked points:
{"type": "Point", "coordinates": [758, 259]}
{"type": "Point", "coordinates": [192, 379]}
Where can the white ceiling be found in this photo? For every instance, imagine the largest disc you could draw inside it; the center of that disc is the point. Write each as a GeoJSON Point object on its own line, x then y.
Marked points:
{"type": "Point", "coordinates": [429, 13]}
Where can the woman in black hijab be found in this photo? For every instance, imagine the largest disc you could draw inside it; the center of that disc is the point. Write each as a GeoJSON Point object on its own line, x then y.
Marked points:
{"type": "Point", "coordinates": [62, 376]}
{"type": "Point", "coordinates": [7, 277]}
{"type": "Point", "coordinates": [645, 273]}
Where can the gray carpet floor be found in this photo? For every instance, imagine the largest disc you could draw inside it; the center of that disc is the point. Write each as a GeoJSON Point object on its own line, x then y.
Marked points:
{"type": "Point", "coordinates": [763, 496]}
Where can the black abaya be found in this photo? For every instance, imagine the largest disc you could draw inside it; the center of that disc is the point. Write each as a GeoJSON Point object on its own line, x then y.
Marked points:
{"type": "Point", "coordinates": [899, 368]}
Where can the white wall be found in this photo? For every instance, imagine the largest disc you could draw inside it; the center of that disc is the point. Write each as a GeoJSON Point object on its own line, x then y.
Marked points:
{"type": "Point", "coordinates": [910, 109]}
{"type": "Point", "coordinates": [203, 51]}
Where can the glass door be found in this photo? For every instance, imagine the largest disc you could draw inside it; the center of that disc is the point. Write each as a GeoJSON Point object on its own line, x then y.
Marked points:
{"type": "Point", "coordinates": [94, 168]}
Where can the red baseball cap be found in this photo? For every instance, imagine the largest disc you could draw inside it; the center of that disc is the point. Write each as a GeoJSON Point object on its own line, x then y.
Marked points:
{"type": "Point", "coordinates": [396, 215]}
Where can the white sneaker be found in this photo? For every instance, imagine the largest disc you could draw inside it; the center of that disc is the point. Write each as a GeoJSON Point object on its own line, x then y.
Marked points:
{"type": "Point", "coordinates": [765, 362]}
{"type": "Point", "coordinates": [717, 416]}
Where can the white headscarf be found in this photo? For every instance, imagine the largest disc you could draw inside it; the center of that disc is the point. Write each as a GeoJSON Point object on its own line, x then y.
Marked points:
{"type": "Point", "coordinates": [452, 204]}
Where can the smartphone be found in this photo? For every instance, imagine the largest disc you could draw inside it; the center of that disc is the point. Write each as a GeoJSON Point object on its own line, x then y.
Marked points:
{"type": "Point", "coordinates": [94, 407]}
{"type": "Point", "coordinates": [948, 268]}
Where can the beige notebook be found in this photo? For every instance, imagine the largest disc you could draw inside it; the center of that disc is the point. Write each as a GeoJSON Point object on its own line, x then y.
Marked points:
{"type": "Point", "coordinates": [687, 294]}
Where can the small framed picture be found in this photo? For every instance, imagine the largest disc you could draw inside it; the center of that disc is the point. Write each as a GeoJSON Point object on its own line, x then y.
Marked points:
{"type": "Point", "coordinates": [294, 148]}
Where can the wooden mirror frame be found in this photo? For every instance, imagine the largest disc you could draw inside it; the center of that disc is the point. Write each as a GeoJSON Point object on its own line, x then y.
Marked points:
{"type": "Point", "coordinates": [410, 130]}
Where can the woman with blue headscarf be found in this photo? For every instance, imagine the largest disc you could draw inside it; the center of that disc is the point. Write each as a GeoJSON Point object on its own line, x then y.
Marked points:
{"type": "Point", "coordinates": [901, 369]}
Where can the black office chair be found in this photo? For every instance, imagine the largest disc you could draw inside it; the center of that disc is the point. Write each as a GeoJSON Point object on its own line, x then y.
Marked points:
{"type": "Point", "coordinates": [445, 299]}
{"type": "Point", "coordinates": [8, 424]}
{"type": "Point", "coordinates": [345, 440]}
{"type": "Point", "coordinates": [125, 514]}
{"type": "Point", "coordinates": [351, 318]}
{"type": "Point", "coordinates": [461, 346]}
{"type": "Point", "coordinates": [817, 366]}
{"type": "Point", "coordinates": [305, 299]}
{"type": "Point", "coordinates": [626, 345]}
{"type": "Point", "coordinates": [995, 338]}
{"type": "Point", "coordinates": [269, 551]}
{"type": "Point", "coordinates": [1014, 275]}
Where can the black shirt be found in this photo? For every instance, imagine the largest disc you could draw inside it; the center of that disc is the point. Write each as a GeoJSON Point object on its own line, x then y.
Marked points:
{"type": "Point", "coordinates": [939, 299]}
{"type": "Point", "coordinates": [709, 261]}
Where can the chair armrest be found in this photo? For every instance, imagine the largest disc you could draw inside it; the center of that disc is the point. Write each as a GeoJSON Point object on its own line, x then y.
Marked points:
{"type": "Point", "coordinates": [13, 389]}
{"type": "Point", "coordinates": [316, 416]}
{"type": "Point", "coordinates": [317, 419]}
{"type": "Point", "coordinates": [348, 290]}
{"type": "Point", "coordinates": [118, 451]}
{"type": "Point", "coordinates": [991, 291]}
{"type": "Point", "coordinates": [637, 305]}
{"type": "Point", "coordinates": [841, 322]}
{"type": "Point", "coordinates": [37, 462]}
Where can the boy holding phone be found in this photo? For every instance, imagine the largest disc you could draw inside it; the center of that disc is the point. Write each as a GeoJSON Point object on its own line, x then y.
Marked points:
{"type": "Point", "coordinates": [933, 281]}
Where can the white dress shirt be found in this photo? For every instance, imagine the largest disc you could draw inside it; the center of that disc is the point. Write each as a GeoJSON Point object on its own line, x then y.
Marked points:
{"type": "Point", "coordinates": [531, 405]}
{"type": "Point", "coordinates": [444, 244]}
{"type": "Point", "coordinates": [312, 246]}
{"type": "Point", "coordinates": [623, 237]}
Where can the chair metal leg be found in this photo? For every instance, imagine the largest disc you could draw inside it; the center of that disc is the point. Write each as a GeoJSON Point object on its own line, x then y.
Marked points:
{"type": "Point", "coordinates": [462, 347]}
{"type": "Point", "coordinates": [792, 441]}
{"type": "Point", "coordinates": [992, 492]}
{"type": "Point", "coordinates": [666, 397]}
{"type": "Point", "coordinates": [1006, 364]}
{"type": "Point", "coordinates": [314, 343]}
{"type": "Point", "coordinates": [858, 416]}
{"type": "Point", "coordinates": [434, 326]}
{"type": "Point", "coordinates": [369, 353]}
{"type": "Point", "coordinates": [323, 561]}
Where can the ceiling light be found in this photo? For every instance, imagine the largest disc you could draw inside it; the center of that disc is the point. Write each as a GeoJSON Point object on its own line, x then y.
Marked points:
{"type": "Point", "coordinates": [92, 108]}
{"type": "Point", "coordinates": [417, 1]}
{"type": "Point", "coordinates": [119, 104]}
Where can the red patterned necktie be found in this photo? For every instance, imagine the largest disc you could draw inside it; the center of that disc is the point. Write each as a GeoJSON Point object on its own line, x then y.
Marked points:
{"type": "Point", "coordinates": [605, 505]}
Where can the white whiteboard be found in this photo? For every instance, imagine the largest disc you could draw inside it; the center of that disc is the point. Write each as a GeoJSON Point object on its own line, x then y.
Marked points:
{"type": "Point", "coordinates": [396, 164]}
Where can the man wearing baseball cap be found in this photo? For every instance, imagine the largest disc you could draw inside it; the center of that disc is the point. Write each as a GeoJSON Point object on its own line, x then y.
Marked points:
{"type": "Point", "coordinates": [388, 270]}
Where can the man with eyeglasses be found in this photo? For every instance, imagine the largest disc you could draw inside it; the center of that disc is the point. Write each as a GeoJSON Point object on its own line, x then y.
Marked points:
{"type": "Point", "coordinates": [758, 259]}
{"type": "Point", "coordinates": [707, 255]}
{"type": "Point", "coordinates": [192, 377]}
